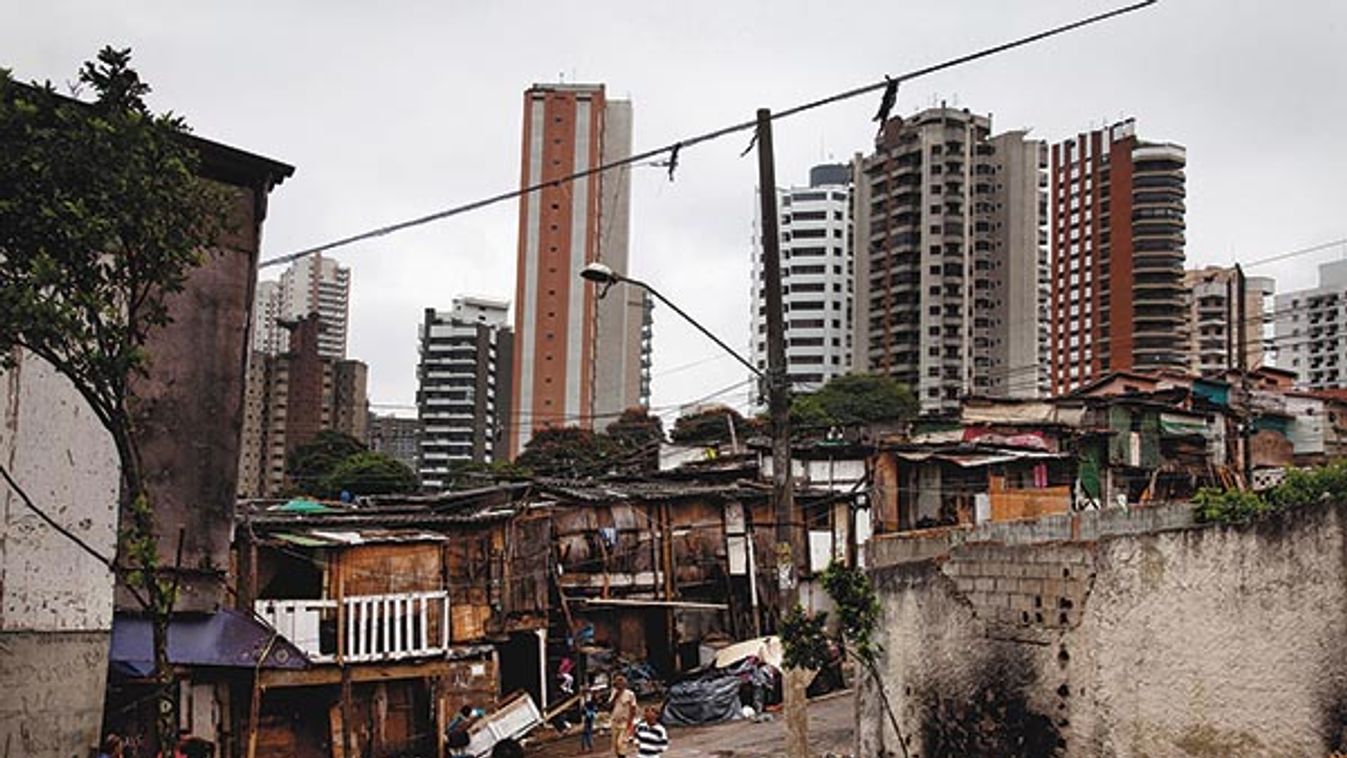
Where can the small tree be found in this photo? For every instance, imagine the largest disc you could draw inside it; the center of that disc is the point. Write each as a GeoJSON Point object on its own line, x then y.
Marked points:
{"type": "Point", "coordinates": [710, 426]}
{"type": "Point", "coordinates": [637, 435]}
{"type": "Point", "coordinates": [102, 218]}
{"type": "Point", "coordinates": [368, 474]}
{"type": "Point", "coordinates": [807, 643]}
{"type": "Point", "coordinates": [854, 399]}
{"type": "Point", "coordinates": [568, 452]}
{"type": "Point", "coordinates": [309, 465]}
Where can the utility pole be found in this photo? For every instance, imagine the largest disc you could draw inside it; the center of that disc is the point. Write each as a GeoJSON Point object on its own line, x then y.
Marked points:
{"type": "Point", "coordinates": [778, 403]}
{"type": "Point", "coordinates": [1242, 360]}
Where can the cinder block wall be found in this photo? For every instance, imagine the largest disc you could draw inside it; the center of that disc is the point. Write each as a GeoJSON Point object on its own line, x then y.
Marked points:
{"type": "Point", "coordinates": [1191, 641]}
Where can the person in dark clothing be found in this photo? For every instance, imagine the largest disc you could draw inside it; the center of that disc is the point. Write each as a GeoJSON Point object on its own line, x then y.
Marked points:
{"type": "Point", "coordinates": [507, 748]}
{"type": "Point", "coordinates": [589, 712]}
{"type": "Point", "coordinates": [457, 735]}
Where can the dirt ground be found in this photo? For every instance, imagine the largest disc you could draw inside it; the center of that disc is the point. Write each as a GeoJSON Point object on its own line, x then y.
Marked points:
{"type": "Point", "coordinates": [831, 729]}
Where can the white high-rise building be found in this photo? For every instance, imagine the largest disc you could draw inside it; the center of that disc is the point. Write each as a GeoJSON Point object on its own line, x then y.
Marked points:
{"type": "Point", "coordinates": [817, 279]}
{"type": "Point", "coordinates": [1311, 330]}
{"type": "Point", "coordinates": [318, 285]}
{"type": "Point", "coordinates": [268, 336]}
{"type": "Point", "coordinates": [463, 400]}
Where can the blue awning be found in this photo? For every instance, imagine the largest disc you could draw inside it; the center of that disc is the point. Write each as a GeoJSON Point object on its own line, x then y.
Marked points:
{"type": "Point", "coordinates": [226, 638]}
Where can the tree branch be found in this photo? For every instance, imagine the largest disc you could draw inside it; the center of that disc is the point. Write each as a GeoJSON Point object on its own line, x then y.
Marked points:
{"type": "Point", "coordinates": [18, 490]}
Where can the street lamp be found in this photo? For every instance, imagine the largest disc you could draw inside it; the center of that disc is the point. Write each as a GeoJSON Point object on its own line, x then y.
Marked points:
{"type": "Point", "coordinates": [604, 276]}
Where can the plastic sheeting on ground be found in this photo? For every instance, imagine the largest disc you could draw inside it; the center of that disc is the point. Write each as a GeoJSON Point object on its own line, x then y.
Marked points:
{"type": "Point", "coordinates": [717, 694]}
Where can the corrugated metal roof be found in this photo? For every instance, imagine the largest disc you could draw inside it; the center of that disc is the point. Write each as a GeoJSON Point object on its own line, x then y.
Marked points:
{"type": "Point", "coordinates": [364, 536]}
{"type": "Point", "coordinates": [967, 458]}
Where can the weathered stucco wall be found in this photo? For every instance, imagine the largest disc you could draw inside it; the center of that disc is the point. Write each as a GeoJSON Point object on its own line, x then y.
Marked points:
{"type": "Point", "coordinates": [55, 599]}
{"type": "Point", "coordinates": [189, 410]}
{"type": "Point", "coordinates": [1199, 641]}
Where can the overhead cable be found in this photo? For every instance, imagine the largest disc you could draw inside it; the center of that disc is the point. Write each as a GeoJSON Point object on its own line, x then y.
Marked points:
{"type": "Point", "coordinates": [674, 147]}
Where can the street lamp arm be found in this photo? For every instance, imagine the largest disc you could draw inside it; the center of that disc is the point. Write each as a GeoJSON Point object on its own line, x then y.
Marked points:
{"type": "Point", "coordinates": [756, 371]}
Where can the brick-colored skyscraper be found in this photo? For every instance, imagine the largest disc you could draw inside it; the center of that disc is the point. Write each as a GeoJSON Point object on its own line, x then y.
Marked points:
{"type": "Point", "coordinates": [577, 359]}
{"type": "Point", "coordinates": [1118, 297]}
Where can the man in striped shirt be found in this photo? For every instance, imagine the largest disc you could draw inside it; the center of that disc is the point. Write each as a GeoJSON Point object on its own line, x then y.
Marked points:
{"type": "Point", "coordinates": [651, 737]}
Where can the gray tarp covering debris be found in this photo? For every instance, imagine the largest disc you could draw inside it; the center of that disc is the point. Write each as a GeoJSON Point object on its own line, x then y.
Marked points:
{"type": "Point", "coordinates": [703, 701]}
{"type": "Point", "coordinates": [714, 694]}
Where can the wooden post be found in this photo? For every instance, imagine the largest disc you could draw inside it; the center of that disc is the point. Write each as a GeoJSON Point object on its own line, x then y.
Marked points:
{"type": "Point", "coordinates": [670, 586]}
{"type": "Point", "coordinates": [337, 579]}
{"type": "Point", "coordinates": [254, 713]}
{"type": "Point", "coordinates": [778, 402]}
{"type": "Point", "coordinates": [437, 694]}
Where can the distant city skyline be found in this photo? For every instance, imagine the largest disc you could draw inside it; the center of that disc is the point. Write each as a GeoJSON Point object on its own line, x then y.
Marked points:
{"type": "Point", "coordinates": [1192, 72]}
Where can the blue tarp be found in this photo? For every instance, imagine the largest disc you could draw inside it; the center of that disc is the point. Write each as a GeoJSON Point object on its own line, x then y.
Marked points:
{"type": "Point", "coordinates": [225, 638]}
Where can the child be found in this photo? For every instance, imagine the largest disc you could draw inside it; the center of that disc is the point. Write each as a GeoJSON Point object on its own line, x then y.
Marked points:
{"type": "Point", "coordinates": [589, 711]}
{"type": "Point", "coordinates": [652, 739]}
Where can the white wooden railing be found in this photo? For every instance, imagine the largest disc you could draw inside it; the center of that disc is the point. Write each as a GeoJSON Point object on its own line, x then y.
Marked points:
{"type": "Point", "coordinates": [374, 627]}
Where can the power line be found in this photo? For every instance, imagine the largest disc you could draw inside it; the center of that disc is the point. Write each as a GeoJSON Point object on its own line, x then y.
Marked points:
{"type": "Point", "coordinates": [1296, 253]}
{"type": "Point", "coordinates": [683, 144]}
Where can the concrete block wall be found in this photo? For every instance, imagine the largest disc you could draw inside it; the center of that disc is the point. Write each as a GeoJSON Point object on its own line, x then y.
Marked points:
{"type": "Point", "coordinates": [1199, 642]}
{"type": "Point", "coordinates": [900, 547]}
{"type": "Point", "coordinates": [1022, 592]}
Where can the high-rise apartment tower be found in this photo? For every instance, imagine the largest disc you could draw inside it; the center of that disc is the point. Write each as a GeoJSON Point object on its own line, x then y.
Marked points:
{"type": "Point", "coordinates": [1218, 335]}
{"type": "Point", "coordinates": [1311, 330]}
{"type": "Point", "coordinates": [464, 386]}
{"type": "Point", "coordinates": [817, 276]}
{"type": "Point", "coordinates": [579, 358]}
{"type": "Point", "coordinates": [318, 285]}
{"type": "Point", "coordinates": [1118, 297]}
{"type": "Point", "coordinates": [950, 258]}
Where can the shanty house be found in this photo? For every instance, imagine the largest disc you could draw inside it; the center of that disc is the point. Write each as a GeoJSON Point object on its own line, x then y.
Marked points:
{"type": "Point", "coordinates": [366, 594]}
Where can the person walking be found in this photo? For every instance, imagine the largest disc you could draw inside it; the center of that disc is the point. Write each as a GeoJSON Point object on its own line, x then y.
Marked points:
{"type": "Point", "coordinates": [623, 716]}
{"type": "Point", "coordinates": [652, 739]}
{"type": "Point", "coordinates": [589, 712]}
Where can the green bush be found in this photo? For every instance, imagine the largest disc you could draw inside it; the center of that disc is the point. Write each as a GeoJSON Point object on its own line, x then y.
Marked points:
{"type": "Point", "coordinates": [1301, 487]}
{"type": "Point", "coordinates": [1228, 506]}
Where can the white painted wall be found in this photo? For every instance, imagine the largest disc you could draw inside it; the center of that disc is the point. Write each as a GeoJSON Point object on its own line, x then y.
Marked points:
{"type": "Point", "coordinates": [55, 599]}
{"type": "Point", "coordinates": [52, 444]}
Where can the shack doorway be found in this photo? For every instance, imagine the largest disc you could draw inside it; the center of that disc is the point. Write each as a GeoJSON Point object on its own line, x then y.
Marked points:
{"type": "Point", "coordinates": [521, 665]}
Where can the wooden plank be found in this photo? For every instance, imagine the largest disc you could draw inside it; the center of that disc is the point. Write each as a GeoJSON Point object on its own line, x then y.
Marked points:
{"type": "Point", "coordinates": [608, 581]}
{"type": "Point", "coordinates": [336, 730]}
{"type": "Point", "coordinates": [273, 678]}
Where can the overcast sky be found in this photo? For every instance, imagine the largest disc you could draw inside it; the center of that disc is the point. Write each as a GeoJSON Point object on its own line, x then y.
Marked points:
{"type": "Point", "coordinates": [392, 110]}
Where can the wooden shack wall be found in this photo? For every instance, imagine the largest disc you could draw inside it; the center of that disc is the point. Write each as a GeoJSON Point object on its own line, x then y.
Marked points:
{"type": "Point", "coordinates": [528, 567]}
{"type": "Point", "coordinates": [393, 567]}
{"type": "Point", "coordinates": [473, 569]}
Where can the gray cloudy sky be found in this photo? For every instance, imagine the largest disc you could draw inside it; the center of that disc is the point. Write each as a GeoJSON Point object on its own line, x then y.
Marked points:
{"type": "Point", "coordinates": [395, 109]}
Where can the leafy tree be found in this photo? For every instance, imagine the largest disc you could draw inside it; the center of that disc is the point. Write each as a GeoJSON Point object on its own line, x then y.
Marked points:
{"type": "Point", "coordinates": [308, 466]}
{"type": "Point", "coordinates": [854, 399]}
{"type": "Point", "coordinates": [637, 434]}
{"type": "Point", "coordinates": [568, 452]}
{"type": "Point", "coordinates": [710, 426]}
{"type": "Point", "coordinates": [807, 643]}
{"type": "Point", "coordinates": [102, 218]}
{"type": "Point", "coordinates": [368, 473]}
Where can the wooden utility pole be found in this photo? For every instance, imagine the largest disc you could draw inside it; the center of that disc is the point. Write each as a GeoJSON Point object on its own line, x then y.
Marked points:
{"type": "Point", "coordinates": [1242, 360]}
{"type": "Point", "coordinates": [778, 403]}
